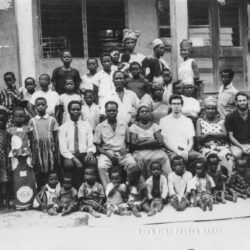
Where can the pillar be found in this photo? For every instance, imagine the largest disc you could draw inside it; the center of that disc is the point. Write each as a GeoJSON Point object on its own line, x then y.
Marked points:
{"type": "Point", "coordinates": [179, 31]}
{"type": "Point", "coordinates": [25, 38]}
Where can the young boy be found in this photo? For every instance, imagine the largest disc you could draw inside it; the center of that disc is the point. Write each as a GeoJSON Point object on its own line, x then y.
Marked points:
{"type": "Point", "coordinates": [178, 184]}
{"type": "Point", "coordinates": [51, 96]}
{"type": "Point", "coordinates": [90, 111]}
{"type": "Point", "coordinates": [64, 72]}
{"type": "Point", "coordinates": [105, 78]}
{"type": "Point", "coordinates": [115, 55]}
{"type": "Point", "coordinates": [137, 82]}
{"type": "Point", "coordinates": [239, 181]}
{"type": "Point", "coordinates": [177, 87]}
{"type": "Point", "coordinates": [91, 193]}
{"type": "Point", "coordinates": [46, 199]}
{"type": "Point", "coordinates": [157, 188]}
{"type": "Point", "coordinates": [116, 193]}
{"type": "Point", "coordinates": [168, 87]}
{"type": "Point", "coordinates": [202, 187]}
{"type": "Point", "coordinates": [67, 198]}
{"type": "Point", "coordinates": [218, 177]}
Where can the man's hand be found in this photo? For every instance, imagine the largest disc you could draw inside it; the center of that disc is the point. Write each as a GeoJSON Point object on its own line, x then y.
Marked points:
{"type": "Point", "coordinates": [89, 156]}
{"type": "Point", "coordinates": [77, 163]}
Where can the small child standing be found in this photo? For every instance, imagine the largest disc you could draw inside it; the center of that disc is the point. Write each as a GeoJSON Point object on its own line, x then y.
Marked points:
{"type": "Point", "coordinates": [178, 184]}
{"type": "Point", "coordinates": [91, 194]}
{"type": "Point", "coordinates": [157, 187]}
{"type": "Point", "coordinates": [202, 187]}
{"type": "Point", "coordinates": [90, 111]}
{"type": "Point", "coordinates": [115, 56]}
{"type": "Point", "coordinates": [239, 181]}
{"type": "Point", "coordinates": [65, 99]}
{"type": "Point", "coordinates": [67, 198]}
{"type": "Point", "coordinates": [45, 130]}
{"type": "Point", "coordinates": [116, 193]}
{"type": "Point", "coordinates": [4, 163]}
{"type": "Point", "coordinates": [124, 65]}
{"type": "Point", "coordinates": [46, 199]}
{"type": "Point", "coordinates": [138, 195]}
{"type": "Point", "coordinates": [20, 154]}
{"type": "Point", "coordinates": [218, 177]}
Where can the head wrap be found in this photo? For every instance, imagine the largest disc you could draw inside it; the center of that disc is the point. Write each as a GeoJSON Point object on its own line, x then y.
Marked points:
{"type": "Point", "coordinates": [157, 42]}
{"type": "Point", "coordinates": [186, 43]}
{"type": "Point", "coordinates": [158, 82]}
{"type": "Point", "coordinates": [130, 34]}
{"type": "Point", "coordinates": [187, 81]}
{"type": "Point", "coordinates": [210, 101]}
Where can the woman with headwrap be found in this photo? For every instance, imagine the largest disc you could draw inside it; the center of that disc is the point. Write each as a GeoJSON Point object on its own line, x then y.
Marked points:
{"type": "Point", "coordinates": [158, 102]}
{"type": "Point", "coordinates": [212, 136]}
{"type": "Point", "coordinates": [146, 141]}
{"type": "Point", "coordinates": [129, 40]}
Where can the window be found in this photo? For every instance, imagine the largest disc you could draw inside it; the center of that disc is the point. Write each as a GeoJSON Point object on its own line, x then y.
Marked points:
{"type": "Point", "coordinates": [71, 24]}
{"type": "Point", "coordinates": [61, 27]}
{"type": "Point", "coordinates": [164, 18]}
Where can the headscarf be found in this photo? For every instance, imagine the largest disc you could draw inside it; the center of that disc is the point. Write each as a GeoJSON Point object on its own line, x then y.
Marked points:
{"type": "Point", "coordinates": [158, 82]}
{"type": "Point", "coordinates": [187, 81]}
{"type": "Point", "coordinates": [186, 43]}
{"type": "Point", "coordinates": [130, 34]}
{"type": "Point", "coordinates": [210, 101]}
{"type": "Point", "coordinates": [144, 105]}
{"type": "Point", "coordinates": [157, 42]}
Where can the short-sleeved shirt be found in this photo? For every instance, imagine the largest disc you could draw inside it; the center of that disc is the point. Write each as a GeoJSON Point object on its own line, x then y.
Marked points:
{"type": "Point", "coordinates": [51, 97]}
{"type": "Point", "coordinates": [177, 132]}
{"type": "Point", "coordinates": [117, 197]}
{"type": "Point", "coordinates": [67, 196]}
{"type": "Point", "coordinates": [96, 192]}
{"type": "Point", "coordinates": [109, 139]}
{"type": "Point", "coordinates": [59, 76]}
{"type": "Point", "coordinates": [240, 128]}
{"type": "Point", "coordinates": [202, 184]}
{"type": "Point", "coordinates": [144, 134]}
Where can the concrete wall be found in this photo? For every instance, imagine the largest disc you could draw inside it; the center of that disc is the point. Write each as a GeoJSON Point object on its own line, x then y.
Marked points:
{"type": "Point", "coordinates": [8, 41]}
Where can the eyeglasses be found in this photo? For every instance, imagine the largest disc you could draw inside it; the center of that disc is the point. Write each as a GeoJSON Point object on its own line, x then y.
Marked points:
{"type": "Point", "coordinates": [174, 103]}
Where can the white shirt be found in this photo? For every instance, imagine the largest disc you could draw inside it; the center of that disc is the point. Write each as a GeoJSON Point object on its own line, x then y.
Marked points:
{"type": "Point", "coordinates": [177, 132]}
{"type": "Point", "coordinates": [52, 100]}
{"type": "Point", "coordinates": [136, 57]}
{"type": "Point", "coordinates": [126, 108]}
{"type": "Point", "coordinates": [88, 81]}
{"type": "Point", "coordinates": [67, 138]}
{"type": "Point", "coordinates": [105, 84]}
{"type": "Point", "coordinates": [186, 70]}
{"type": "Point", "coordinates": [191, 106]}
{"type": "Point", "coordinates": [90, 114]}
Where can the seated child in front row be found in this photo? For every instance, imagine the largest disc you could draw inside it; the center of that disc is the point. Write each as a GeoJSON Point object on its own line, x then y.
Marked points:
{"type": "Point", "coordinates": [157, 187]}
{"type": "Point", "coordinates": [46, 199]}
{"type": "Point", "coordinates": [202, 187]}
{"type": "Point", "coordinates": [67, 197]}
{"type": "Point", "coordinates": [239, 181]}
{"type": "Point", "coordinates": [138, 197]}
{"type": "Point", "coordinates": [178, 184]}
{"type": "Point", "coordinates": [116, 193]}
{"type": "Point", "coordinates": [219, 177]}
{"type": "Point", "coordinates": [91, 194]}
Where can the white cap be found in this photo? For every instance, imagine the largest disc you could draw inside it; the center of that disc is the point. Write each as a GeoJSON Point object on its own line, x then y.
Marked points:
{"type": "Point", "coordinates": [157, 42]}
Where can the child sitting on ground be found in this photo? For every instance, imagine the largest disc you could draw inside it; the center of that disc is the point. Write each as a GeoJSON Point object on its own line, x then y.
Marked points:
{"type": "Point", "coordinates": [116, 193]}
{"type": "Point", "coordinates": [46, 199]}
{"type": "Point", "coordinates": [218, 177]}
{"type": "Point", "coordinates": [91, 194]}
{"type": "Point", "coordinates": [67, 198]}
{"type": "Point", "coordinates": [239, 181]}
{"type": "Point", "coordinates": [202, 187]}
{"type": "Point", "coordinates": [157, 187]}
{"type": "Point", "coordinates": [138, 197]}
{"type": "Point", "coordinates": [178, 184]}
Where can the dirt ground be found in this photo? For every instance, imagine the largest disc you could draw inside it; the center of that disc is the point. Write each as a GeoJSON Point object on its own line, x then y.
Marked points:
{"type": "Point", "coordinates": [226, 227]}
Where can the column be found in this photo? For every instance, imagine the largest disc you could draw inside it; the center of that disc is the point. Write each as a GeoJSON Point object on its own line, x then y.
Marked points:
{"type": "Point", "coordinates": [25, 38]}
{"type": "Point", "coordinates": [179, 31]}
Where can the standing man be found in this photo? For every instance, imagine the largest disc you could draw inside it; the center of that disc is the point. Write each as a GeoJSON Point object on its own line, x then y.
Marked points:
{"type": "Point", "coordinates": [127, 100]}
{"type": "Point", "coordinates": [76, 143]}
{"type": "Point", "coordinates": [111, 137]}
{"type": "Point", "coordinates": [178, 133]}
{"type": "Point", "coordinates": [238, 126]}
{"type": "Point", "coordinates": [227, 92]}
{"type": "Point", "coordinates": [64, 72]}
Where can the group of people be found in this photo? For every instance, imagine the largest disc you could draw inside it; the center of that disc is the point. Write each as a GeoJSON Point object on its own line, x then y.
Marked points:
{"type": "Point", "coordinates": [123, 139]}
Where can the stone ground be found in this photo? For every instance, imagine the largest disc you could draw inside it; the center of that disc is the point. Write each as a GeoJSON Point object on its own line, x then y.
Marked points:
{"type": "Point", "coordinates": [226, 227]}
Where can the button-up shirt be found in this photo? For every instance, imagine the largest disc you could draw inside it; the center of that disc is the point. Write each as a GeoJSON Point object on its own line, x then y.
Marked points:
{"type": "Point", "coordinates": [126, 108]}
{"type": "Point", "coordinates": [109, 139]}
{"type": "Point", "coordinates": [226, 103]}
{"type": "Point", "coordinates": [105, 84]}
{"type": "Point", "coordinates": [67, 138]}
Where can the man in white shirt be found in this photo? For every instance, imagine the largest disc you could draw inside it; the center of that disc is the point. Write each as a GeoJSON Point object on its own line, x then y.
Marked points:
{"type": "Point", "coordinates": [104, 78]}
{"type": "Point", "coordinates": [127, 100]}
{"type": "Point", "coordinates": [227, 92]}
{"type": "Point", "coordinates": [178, 133]}
{"type": "Point", "coordinates": [76, 143]}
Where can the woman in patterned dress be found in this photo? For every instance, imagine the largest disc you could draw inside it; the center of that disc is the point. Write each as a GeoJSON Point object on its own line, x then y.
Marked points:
{"type": "Point", "coordinates": [212, 136]}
